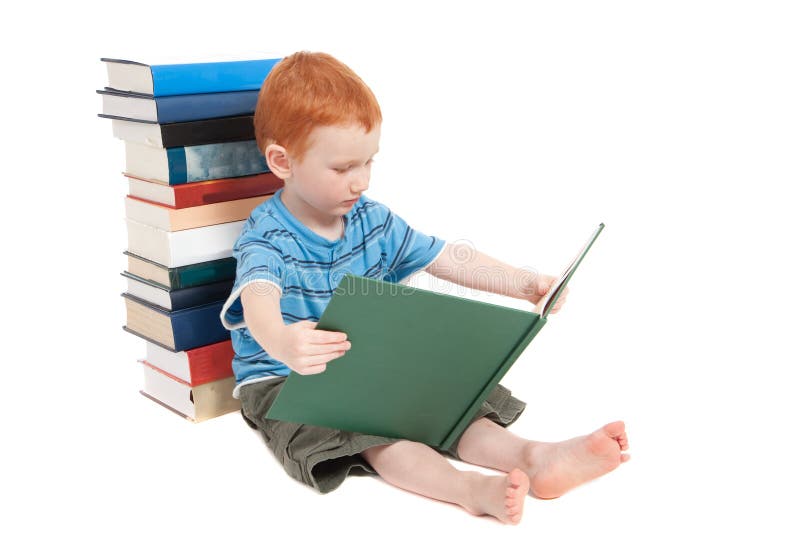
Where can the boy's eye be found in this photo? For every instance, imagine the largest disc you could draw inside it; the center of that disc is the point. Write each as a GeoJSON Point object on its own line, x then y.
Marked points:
{"type": "Point", "coordinates": [342, 170]}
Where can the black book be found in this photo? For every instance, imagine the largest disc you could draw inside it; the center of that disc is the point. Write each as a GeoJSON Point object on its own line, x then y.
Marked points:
{"type": "Point", "coordinates": [175, 134]}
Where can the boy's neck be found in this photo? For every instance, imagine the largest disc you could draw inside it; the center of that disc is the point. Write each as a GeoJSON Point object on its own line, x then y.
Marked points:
{"type": "Point", "coordinates": [329, 226]}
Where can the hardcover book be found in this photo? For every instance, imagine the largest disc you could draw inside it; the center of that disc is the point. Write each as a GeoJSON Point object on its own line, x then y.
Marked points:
{"type": "Point", "coordinates": [176, 330]}
{"type": "Point", "coordinates": [193, 275]}
{"type": "Point", "coordinates": [182, 165]}
{"type": "Point", "coordinates": [194, 402]}
{"type": "Point", "coordinates": [206, 192]}
{"type": "Point", "coordinates": [450, 351]}
{"type": "Point", "coordinates": [187, 78]}
{"type": "Point", "coordinates": [180, 108]}
{"type": "Point", "coordinates": [176, 299]}
{"type": "Point", "coordinates": [176, 219]}
{"type": "Point", "coordinates": [176, 249]}
{"type": "Point", "coordinates": [194, 366]}
{"type": "Point", "coordinates": [174, 134]}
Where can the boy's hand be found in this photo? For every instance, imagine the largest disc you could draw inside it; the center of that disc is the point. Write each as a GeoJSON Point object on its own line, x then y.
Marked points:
{"type": "Point", "coordinates": [305, 350]}
{"type": "Point", "coordinates": [539, 288]}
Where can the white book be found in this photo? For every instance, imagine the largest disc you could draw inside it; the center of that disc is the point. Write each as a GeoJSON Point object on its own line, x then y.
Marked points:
{"type": "Point", "coordinates": [195, 403]}
{"type": "Point", "coordinates": [150, 293]}
{"type": "Point", "coordinates": [186, 247]}
{"type": "Point", "coordinates": [152, 191]}
{"type": "Point", "coordinates": [174, 363]}
{"type": "Point", "coordinates": [150, 162]}
{"type": "Point", "coordinates": [143, 133]}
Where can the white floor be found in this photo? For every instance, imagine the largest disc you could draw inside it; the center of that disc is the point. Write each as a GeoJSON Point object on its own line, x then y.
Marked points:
{"type": "Point", "coordinates": [107, 459]}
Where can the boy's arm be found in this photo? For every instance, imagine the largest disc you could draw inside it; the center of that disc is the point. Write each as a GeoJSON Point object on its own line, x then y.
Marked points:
{"type": "Point", "coordinates": [299, 345]}
{"type": "Point", "coordinates": [464, 265]}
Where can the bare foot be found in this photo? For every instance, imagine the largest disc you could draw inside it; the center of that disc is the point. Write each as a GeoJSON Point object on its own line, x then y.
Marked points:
{"type": "Point", "coordinates": [500, 496]}
{"type": "Point", "coordinates": [555, 468]}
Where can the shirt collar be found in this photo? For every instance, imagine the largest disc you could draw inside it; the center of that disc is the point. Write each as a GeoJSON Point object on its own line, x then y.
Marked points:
{"type": "Point", "coordinates": [308, 236]}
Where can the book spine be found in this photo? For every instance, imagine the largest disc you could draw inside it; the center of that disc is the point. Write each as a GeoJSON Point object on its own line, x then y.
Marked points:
{"type": "Point", "coordinates": [185, 108]}
{"type": "Point", "coordinates": [210, 162]}
{"type": "Point", "coordinates": [195, 327]}
{"type": "Point", "coordinates": [203, 273]}
{"type": "Point", "coordinates": [208, 131]}
{"type": "Point", "coordinates": [186, 247]}
{"type": "Point", "coordinates": [199, 295]}
{"type": "Point", "coordinates": [466, 419]}
{"type": "Point", "coordinates": [210, 77]}
{"type": "Point", "coordinates": [211, 362]}
{"type": "Point", "coordinates": [176, 219]}
{"type": "Point", "coordinates": [175, 277]}
{"type": "Point", "coordinates": [176, 162]}
{"type": "Point", "coordinates": [223, 190]}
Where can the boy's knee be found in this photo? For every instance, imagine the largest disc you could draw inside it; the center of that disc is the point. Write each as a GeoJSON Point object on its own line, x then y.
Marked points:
{"type": "Point", "coordinates": [387, 453]}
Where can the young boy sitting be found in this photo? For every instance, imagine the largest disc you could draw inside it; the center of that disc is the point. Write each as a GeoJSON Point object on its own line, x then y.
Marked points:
{"type": "Point", "coordinates": [318, 126]}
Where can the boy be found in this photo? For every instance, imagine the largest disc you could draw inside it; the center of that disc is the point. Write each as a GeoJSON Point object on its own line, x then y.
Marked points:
{"type": "Point", "coordinates": [318, 126]}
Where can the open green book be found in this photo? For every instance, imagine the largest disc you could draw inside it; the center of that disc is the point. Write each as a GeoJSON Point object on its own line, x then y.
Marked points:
{"type": "Point", "coordinates": [421, 363]}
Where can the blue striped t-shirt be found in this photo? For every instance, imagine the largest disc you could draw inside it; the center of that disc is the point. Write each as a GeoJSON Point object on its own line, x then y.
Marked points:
{"type": "Point", "coordinates": [275, 247]}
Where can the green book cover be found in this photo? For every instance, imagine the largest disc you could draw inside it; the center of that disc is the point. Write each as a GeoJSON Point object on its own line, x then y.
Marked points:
{"type": "Point", "coordinates": [421, 362]}
{"type": "Point", "coordinates": [183, 277]}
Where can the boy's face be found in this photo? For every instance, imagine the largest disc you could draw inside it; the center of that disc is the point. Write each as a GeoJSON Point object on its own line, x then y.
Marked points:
{"type": "Point", "coordinates": [334, 171]}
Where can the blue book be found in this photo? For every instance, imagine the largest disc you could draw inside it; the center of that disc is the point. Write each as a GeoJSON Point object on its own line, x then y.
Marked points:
{"type": "Point", "coordinates": [185, 164]}
{"type": "Point", "coordinates": [187, 78]}
{"type": "Point", "coordinates": [176, 330]}
{"type": "Point", "coordinates": [179, 108]}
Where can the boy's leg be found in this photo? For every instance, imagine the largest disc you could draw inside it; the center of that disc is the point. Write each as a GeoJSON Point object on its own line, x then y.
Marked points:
{"type": "Point", "coordinates": [553, 468]}
{"type": "Point", "coordinates": [418, 468]}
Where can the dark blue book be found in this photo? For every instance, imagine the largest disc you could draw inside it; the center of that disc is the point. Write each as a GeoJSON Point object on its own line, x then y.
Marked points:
{"type": "Point", "coordinates": [178, 108]}
{"type": "Point", "coordinates": [176, 330]}
{"type": "Point", "coordinates": [187, 78]}
{"type": "Point", "coordinates": [177, 299]}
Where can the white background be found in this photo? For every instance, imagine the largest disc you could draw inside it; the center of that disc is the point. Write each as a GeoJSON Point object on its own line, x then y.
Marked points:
{"type": "Point", "coordinates": [517, 126]}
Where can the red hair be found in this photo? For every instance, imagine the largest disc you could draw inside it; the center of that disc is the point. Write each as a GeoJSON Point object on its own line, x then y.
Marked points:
{"type": "Point", "coordinates": [306, 90]}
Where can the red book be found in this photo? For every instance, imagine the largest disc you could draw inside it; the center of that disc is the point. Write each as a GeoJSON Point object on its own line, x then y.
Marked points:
{"type": "Point", "coordinates": [195, 366]}
{"type": "Point", "coordinates": [201, 193]}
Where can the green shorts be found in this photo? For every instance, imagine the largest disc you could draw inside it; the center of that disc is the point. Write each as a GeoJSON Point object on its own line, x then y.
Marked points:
{"type": "Point", "coordinates": [323, 457]}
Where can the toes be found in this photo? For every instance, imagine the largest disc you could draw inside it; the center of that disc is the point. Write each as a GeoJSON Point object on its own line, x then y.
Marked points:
{"type": "Point", "coordinates": [615, 430]}
{"type": "Point", "coordinates": [518, 479]}
{"type": "Point", "coordinates": [624, 457]}
{"type": "Point", "coordinates": [518, 486]}
{"type": "Point", "coordinates": [513, 512]}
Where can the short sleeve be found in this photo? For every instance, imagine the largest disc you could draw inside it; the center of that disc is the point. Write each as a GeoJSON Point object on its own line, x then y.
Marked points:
{"type": "Point", "coordinates": [257, 260]}
{"type": "Point", "coordinates": [409, 250]}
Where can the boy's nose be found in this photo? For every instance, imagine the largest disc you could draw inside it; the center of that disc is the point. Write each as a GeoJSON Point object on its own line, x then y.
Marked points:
{"type": "Point", "coordinates": [360, 181]}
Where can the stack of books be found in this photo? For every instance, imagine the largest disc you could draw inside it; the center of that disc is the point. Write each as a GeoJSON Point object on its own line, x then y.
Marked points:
{"type": "Point", "coordinates": [194, 175]}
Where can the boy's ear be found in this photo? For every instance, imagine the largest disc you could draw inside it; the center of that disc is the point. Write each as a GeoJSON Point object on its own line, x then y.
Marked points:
{"type": "Point", "coordinates": [278, 161]}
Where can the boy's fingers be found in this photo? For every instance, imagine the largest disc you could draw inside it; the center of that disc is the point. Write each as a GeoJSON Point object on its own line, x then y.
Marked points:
{"type": "Point", "coordinates": [314, 370]}
{"type": "Point", "coordinates": [543, 289]}
{"type": "Point", "coordinates": [327, 336]}
{"type": "Point", "coordinates": [317, 349]}
{"type": "Point", "coordinates": [322, 359]}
